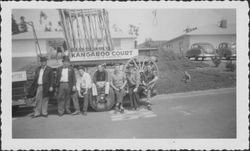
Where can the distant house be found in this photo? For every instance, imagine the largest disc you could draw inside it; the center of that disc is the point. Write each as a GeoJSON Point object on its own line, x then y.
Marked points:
{"type": "Point", "coordinates": [150, 48]}
{"type": "Point", "coordinates": [23, 44]}
{"type": "Point", "coordinates": [123, 41]}
{"type": "Point", "coordinates": [212, 34]}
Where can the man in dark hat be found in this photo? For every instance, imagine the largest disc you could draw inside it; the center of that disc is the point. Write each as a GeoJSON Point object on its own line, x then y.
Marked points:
{"type": "Point", "coordinates": [41, 86]}
{"type": "Point", "coordinates": [66, 85]}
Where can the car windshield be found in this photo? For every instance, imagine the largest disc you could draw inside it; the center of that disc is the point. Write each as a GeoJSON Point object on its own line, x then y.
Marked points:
{"type": "Point", "coordinates": [234, 48]}
{"type": "Point", "coordinates": [224, 45]}
{"type": "Point", "coordinates": [207, 48]}
{"type": "Point", "coordinates": [195, 46]}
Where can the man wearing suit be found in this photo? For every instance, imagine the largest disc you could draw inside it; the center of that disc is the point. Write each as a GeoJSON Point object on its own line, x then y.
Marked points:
{"type": "Point", "coordinates": [43, 85]}
{"type": "Point", "coordinates": [65, 83]}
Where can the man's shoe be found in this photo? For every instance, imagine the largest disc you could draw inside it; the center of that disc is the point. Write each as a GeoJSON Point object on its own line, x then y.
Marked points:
{"type": "Point", "coordinates": [76, 113]}
{"type": "Point", "coordinates": [149, 107]}
{"type": "Point", "coordinates": [68, 112]}
{"type": "Point", "coordinates": [122, 110]}
{"type": "Point", "coordinates": [45, 115]}
{"type": "Point", "coordinates": [60, 115]}
{"type": "Point", "coordinates": [84, 113]}
{"type": "Point", "coordinates": [35, 116]}
{"type": "Point", "coordinates": [116, 108]}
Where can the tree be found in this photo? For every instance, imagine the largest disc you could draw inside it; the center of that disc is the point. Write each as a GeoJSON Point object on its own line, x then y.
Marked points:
{"type": "Point", "coordinates": [15, 29]}
{"type": "Point", "coordinates": [116, 28]}
{"type": "Point", "coordinates": [148, 42]}
{"type": "Point", "coordinates": [133, 30]}
{"type": "Point", "coordinates": [23, 25]}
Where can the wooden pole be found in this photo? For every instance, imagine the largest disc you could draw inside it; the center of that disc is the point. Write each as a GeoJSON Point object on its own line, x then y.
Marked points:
{"type": "Point", "coordinates": [72, 30]}
{"type": "Point", "coordinates": [101, 29]}
{"type": "Point", "coordinates": [86, 30]}
{"type": "Point", "coordinates": [78, 30]}
{"type": "Point", "coordinates": [64, 28]}
{"type": "Point", "coordinates": [90, 29]}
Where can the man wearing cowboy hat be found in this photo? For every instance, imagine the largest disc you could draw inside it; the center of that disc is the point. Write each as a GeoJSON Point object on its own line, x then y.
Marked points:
{"type": "Point", "coordinates": [41, 87]}
{"type": "Point", "coordinates": [65, 83]}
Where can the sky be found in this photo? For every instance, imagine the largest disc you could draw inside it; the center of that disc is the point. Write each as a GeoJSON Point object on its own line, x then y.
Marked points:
{"type": "Point", "coordinates": [165, 25]}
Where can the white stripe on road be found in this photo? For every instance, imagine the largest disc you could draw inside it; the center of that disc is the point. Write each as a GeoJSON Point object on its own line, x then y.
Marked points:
{"type": "Point", "coordinates": [130, 115]}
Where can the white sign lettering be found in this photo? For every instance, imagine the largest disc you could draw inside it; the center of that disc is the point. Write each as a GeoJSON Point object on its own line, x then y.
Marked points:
{"type": "Point", "coordinates": [102, 55]}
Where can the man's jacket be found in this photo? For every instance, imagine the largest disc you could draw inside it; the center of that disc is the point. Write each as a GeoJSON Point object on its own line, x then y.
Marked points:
{"type": "Point", "coordinates": [71, 77]}
{"type": "Point", "coordinates": [47, 80]}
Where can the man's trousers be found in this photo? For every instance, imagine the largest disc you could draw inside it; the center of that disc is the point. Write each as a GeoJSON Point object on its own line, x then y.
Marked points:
{"type": "Point", "coordinates": [63, 98]}
{"type": "Point", "coordinates": [75, 100]}
{"type": "Point", "coordinates": [119, 95]}
{"type": "Point", "coordinates": [41, 102]}
{"type": "Point", "coordinates": [100, 84]}
{"type": "Point", "coordinates": [85, 99]}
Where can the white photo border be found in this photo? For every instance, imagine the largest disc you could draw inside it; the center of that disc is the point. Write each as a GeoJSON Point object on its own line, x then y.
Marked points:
{"type": "Point", "coordinates": [241, 142]}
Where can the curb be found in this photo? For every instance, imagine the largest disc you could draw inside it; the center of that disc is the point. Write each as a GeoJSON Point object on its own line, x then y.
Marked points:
{"type": "Point", "coordinates": [197, 93]}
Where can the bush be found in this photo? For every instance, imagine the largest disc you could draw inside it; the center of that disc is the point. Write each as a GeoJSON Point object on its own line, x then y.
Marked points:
{"type": "Point", "coordinates": [230, 66]}
{"type": "Point", "coordinates": [216, 61]}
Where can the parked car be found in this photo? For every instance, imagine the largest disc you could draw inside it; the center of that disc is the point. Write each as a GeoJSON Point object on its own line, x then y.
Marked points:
{"type": "Point", "coordinates": [201, 50]}
{"type": "Point", "coordinates": [227, 50]}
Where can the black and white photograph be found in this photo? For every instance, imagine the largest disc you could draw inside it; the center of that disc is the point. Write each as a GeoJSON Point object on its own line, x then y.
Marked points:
{"type": "Point", "coordinates": [131, 75]}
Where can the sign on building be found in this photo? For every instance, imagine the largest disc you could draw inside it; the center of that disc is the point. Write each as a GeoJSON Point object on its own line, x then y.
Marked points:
{"type": "Point", "coordinates": [102, 55]}
{"type": "Point", "coordinates": [19, 76]}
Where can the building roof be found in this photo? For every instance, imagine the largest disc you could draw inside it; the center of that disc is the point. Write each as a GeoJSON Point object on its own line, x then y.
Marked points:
{"type": "Point", "coordinates": [211, 29]}
{"type": "Point", "coordinates": [151, 44]}
{"type": "Point", "coordinates": [40, 35]}
{"type": "Point", "coordinates": [121, 35]}
{"type": "Point", "coordinates": [60, 35]}
{"type": "Point", "coordinates": [214, 30]}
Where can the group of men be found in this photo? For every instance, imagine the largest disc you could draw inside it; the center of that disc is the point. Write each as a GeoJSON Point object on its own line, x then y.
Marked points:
{"type": "Point", "coordinates": [75, 83]}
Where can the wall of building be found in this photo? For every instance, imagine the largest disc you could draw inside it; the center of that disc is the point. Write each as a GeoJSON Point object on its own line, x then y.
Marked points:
{"type": "Point", "coordinates": [26, 48]}
{"type": "Point", "coordinates": [148, 52]}
{"type": "Point", "coordinates": [178, 45]}
{"type": "Point", "coordinates": [117, 43]}
{"type": "Point", "coordinates": [127, 43]}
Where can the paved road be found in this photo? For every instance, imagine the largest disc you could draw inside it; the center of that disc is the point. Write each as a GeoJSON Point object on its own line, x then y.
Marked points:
{"type": "Point", "coordinates": [203, 114]}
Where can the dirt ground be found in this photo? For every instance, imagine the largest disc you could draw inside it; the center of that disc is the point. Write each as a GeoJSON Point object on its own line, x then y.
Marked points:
{"type": "Point", "coordinates": [204, 75]}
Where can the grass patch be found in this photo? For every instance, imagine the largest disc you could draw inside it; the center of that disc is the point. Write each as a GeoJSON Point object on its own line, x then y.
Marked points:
{"type": "Point", "coordinates": [172, 67]}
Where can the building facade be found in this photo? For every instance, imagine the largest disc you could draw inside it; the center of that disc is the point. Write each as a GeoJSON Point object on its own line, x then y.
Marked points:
{"type": "Point", "coordinates": [211, 34]}
{"type": "Point", "coordinates": [23, 44]}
